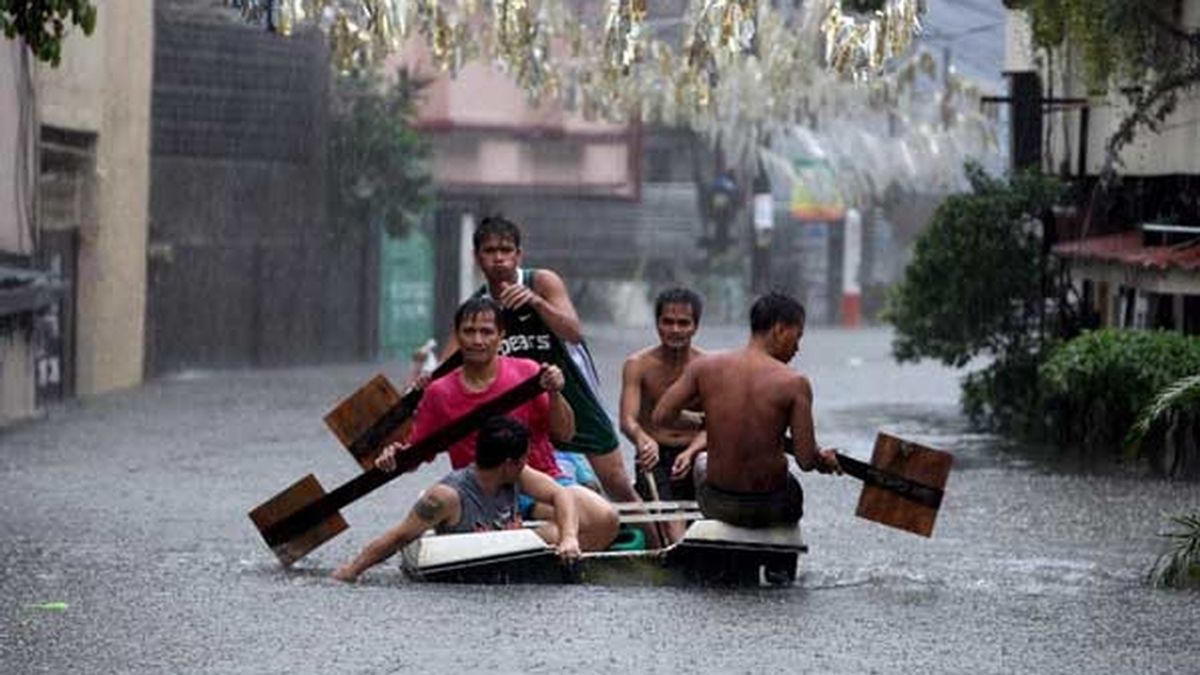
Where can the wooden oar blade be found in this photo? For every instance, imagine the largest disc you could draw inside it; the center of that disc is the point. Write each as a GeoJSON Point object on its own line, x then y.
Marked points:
{"type": "Point", "coordinates": [303, 492]}
{"type": "Point", "coordinates": [355, 419]}
{"type": "Point", "coordinates": [921, 464]}
{"type": "Point", "coordinates": [364, 420]}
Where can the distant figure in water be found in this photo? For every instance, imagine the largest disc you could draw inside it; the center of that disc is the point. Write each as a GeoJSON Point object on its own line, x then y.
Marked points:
{"type": "Point", "coordinates": [478, 498]}
{"type": "Point", "coordinates": [750, 398]}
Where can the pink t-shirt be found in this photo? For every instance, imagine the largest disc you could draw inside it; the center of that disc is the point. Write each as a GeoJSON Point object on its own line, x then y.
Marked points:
{"type": "Point", "coordinates": [447, 399]}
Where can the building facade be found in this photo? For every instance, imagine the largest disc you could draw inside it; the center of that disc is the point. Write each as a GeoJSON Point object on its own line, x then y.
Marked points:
{"type": "Point", "coordinates": [73, 211]}
{"type": "Point", "coordinates": [1133, 250]}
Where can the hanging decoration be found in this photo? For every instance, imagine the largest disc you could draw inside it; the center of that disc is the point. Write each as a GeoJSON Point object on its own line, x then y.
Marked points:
{"type": "Point", "coordinates": [733, 69]}
{"type": "Point", "coordinates": [757, 80]}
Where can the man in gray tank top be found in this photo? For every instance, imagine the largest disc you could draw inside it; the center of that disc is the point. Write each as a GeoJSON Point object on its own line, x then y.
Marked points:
{"type": "Point", "coordinates": [479, 497]}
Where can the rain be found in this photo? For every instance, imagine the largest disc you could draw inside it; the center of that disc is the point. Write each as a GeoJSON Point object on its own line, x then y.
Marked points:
{"type": "Point", "coordinates": [224, 219]}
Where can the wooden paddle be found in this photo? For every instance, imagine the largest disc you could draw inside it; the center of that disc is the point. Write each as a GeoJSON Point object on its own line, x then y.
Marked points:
{"type": "Point", "coordinates": [652, 488]}
{"type": "Point", "coordinates": [303, 516]}
{"type": "Point", "coordinates": [903, 485]}
{"type": "Point", "coordinates": [365, 419]}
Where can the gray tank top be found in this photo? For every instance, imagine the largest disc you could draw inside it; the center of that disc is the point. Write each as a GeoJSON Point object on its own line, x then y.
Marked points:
{"type": "Point", "coordinates": [481, 512]}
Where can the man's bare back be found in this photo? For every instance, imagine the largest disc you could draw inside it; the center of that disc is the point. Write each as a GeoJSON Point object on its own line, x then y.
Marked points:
{"type": "Point", "coordinates": [749, 399]}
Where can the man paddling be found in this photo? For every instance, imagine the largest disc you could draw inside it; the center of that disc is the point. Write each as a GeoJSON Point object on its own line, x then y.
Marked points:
{"type": "Point", "coordinates": [750, 398]}
{"type": "Point", "coordinates": [479, 498]}
{"type": "Point", "coordinates": [484, 375]}
{"type": "Point", "coordinates": [665, 454]}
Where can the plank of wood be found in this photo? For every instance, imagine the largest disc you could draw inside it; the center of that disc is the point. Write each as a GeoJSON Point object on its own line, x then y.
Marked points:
{"type": "Point", "coordinates": [296, 496]}
{"type": "Point", "coordinates": [354, 416]}
{"type": "Point", "coordinates": [365, 419]}
{"type": "Point", "coordinates": [903, 485]}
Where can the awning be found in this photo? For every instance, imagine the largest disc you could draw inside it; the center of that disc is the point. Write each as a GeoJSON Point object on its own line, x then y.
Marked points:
{"type": "Point", "coordinates": [1127, 249]}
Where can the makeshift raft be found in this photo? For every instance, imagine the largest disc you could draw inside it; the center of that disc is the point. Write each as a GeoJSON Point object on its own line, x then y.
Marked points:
{"type": "Point", "coordinates": [710, 553]}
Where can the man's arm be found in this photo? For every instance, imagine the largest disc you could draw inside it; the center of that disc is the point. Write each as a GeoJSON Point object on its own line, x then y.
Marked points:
{"type": "Point", "coordinates": [684, 460]}
{"type": "Point", "coordinates": [685, 390]}
{"type": "Point", "coordinates": [549, 298]}
{"type": "Point", "coordinates": [804, 440]}
{"type": "Point", "coordinates": [544, 490]}
{"type": "Point", "coordinates": [631, 408]}
{"type": "Point", "coordinates": [562, 418]}
{"type": "Point", "coordinates": [431, 509]}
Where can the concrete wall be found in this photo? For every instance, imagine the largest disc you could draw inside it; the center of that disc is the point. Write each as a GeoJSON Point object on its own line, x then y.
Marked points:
{"type": "Point", "coordinates": [17, 383]}
{"type": "Point", "coordinates": [103, 87]}
{"type": "Point", "coordinates": [15, 208]}
{"type": "Point", "coordinates": [487, 136]}
{"type": "Point", "coordinates": [241, 237]}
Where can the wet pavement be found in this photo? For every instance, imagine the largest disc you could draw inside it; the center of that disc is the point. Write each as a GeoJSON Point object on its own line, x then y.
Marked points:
{"type": "Point", "coordinates": [131, 510]}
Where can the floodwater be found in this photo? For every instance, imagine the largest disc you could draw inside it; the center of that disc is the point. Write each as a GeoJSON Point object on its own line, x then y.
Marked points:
{"type": "Point", "coordinates": [130, 509]}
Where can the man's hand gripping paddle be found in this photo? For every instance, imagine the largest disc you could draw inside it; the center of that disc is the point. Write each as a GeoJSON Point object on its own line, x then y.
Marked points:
{"type": "Point", "coordinates": [366, 418]}
{"type": "Point", "coordinates": [303, 516]}
{"type": "Point", "coordinates": [903, 485]}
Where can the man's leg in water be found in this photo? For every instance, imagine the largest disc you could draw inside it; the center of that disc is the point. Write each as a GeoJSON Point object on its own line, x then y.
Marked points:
{"type": "Point", "coordinates": [610, 469]}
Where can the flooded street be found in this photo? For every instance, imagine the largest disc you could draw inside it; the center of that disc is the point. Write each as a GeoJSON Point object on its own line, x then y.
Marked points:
{"type": "Point", "coordinates": [131, 510]}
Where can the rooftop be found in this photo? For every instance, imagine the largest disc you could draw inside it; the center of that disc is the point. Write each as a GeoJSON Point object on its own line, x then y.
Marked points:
{"type": "Point", "coordinates": [1128, 248]}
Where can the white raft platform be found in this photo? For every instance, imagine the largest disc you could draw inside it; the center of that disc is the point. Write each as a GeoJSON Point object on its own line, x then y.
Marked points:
{"type": "Point", "coordinates": [710, 553]}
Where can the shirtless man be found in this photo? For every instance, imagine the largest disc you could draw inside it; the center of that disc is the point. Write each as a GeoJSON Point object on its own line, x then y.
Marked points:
{"type": "Point", "coordinates": [750, 398]}
{"type": "Point", "coordinates": [479, 497]}
{"type": "Point", "coordinates": [664, 453]}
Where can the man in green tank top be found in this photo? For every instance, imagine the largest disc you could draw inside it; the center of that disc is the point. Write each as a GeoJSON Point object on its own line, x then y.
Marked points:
{"type": "Point", "coordinates": [542, 325]}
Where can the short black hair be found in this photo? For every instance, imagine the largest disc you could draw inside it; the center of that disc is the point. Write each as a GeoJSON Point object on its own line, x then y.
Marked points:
{"type": "Point", "coordinates": [774, 308]}
{"type": "Point", "coordinates": [496, 226]}
{"type": "Point", "coordinates": [500, 438]}
{"type": "Point", "coordinates": [474, 306]}
{"type": "Point", "coordinates": [679, 296]}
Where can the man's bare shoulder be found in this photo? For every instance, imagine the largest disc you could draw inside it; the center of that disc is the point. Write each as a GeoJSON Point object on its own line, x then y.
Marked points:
{"type": "Point", "coordinates": [638, 362]}
{"type": "Point", "coordinates": [435, 502]}
{"type": "Point", "coordinates": [440, 491]}
{"type": "Point", "coordinates": [643, 355]}
{"type": "Point", "coordinates": [794, 383]}
{"type": "Point", "coordinates": [707, 363]}
{"type": "Point", "coordinates": [544, 277]}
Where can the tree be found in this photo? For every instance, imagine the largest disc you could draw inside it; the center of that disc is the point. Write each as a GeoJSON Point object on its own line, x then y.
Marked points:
{"type": "Point", "coordinates": [979, 284]}
{"type": "Point", "coordinates": [43, 23]}
{"type": "Point", "coordinates": [1134, 42]}
{"type": "Point", "coordinates": [379, 162]}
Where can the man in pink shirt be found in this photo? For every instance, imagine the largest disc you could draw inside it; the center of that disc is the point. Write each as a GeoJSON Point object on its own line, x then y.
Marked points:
{"type": "Point", "coordinates": [485, 375]}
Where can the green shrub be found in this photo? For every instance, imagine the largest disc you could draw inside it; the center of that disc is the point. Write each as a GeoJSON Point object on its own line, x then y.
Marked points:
{"type": "Point", "coordinates": [1179, 566]}
{"type": "Point", "coordinates": [1004, 396]}
{"type": "Point", "coordinates": [1093, 387]}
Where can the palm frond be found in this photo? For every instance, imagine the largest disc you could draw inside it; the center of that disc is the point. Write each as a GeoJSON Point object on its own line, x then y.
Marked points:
{"type": "Point", "coordinates": [1181, 394]}
{"type": "Point", "coordinates": [1179, 566]}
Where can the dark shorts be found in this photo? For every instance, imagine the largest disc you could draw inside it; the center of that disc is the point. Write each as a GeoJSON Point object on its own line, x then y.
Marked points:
{"type": "Point", "coordinates": [753, 509]}
{"type": "Point", "coordinates": [668, 490]}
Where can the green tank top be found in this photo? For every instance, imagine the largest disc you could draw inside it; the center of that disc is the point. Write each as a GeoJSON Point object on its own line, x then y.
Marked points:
{"type": "Point", "coordinates": [528, 336]}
